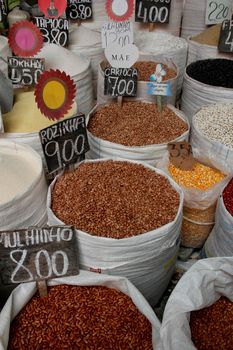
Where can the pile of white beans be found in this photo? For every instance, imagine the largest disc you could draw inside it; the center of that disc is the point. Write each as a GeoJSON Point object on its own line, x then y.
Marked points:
{"type": "Point", "coordinates": [216, 123]}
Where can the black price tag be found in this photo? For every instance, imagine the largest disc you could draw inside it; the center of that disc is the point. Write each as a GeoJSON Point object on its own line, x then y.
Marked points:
{"type": "Point", "coordinates": [25, 71]}
{"type": "Point", "coordinates": [3, 12]}
{"type": "Point", "coordinates": [36, 254]}
{"type": "Point", "coordinates": [54, 30]}
{"type": "Point", "coordinates": [120, 81]}
{"type": "Point", "coordinates": [226, 37]}
{"type": "Point", "coordinates": [152, 11]}
{"type": "Point", "coordinates": [64, 143]}
{"type": "Point", "coordinates": [79, 9]}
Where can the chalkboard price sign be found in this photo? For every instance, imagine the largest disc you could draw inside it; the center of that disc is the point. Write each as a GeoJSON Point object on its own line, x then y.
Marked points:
{"type": "Point", "coordinates": [64, 143]}
{"type": "Point", "coordinates": [37, 254]}
{"type": "Point", "coordinates": [120, 81]}
{"type": "Point", "coordinates": [25, 71]}
{"type": "Point", "coordinates": [152, 11]}
{"type": "Point", "coordinates": [3, 12]}
{"type": "Point", "coordinates": [226, 37]}
{"type": "Point", "coordinates": [54, 30]}
{"type": "Point", "coordinates": [79, 9]}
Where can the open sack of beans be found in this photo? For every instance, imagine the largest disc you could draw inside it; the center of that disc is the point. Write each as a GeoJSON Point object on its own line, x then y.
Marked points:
{"type": "Point", "coordinates": [202, 186]}
{"type": "Point", "coordinates": [134, 131]}
{"type": "Point", "coordinates": [146, 66]}
{"type": "Point", "coordinates": [199, 312]}
{"type": "Point", "coordinates": [127, 218]}
{"type": "Point", "coordinates": [212, 133]}
{"type": "Point", "coordinates": [220, 241]}
{"type": "Point", "coordinates": [88, 311]}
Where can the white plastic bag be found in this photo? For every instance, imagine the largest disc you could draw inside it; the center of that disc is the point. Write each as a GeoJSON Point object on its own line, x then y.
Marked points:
{"type": "Point", "coordinates": [24, 292]}
{"type": "Point", "coordinates": [150, 154]}
{"type": "Point", "coordinates": [220, 241]}
{"type": "Point", "coordinates": [195, 198]}
{"type": "Point", "coordinates": [147, 260]}
{"type": "Point", "coordinates": [200, 287]}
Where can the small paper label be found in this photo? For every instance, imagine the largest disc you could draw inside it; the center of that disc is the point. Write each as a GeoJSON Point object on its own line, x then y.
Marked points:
{"type": "Point", "coordinates": [226, 37]}
{"type": "Point", "coordinates": [120, 33]}
{"type": "Point", "coordinates": [122, 57]}
{"type": "Point", "coordinates": [181, 155]}
{"type": "Point", "coordinates": [120, 82]}
{"type": "Point", "coordinates": [54, 30]}
{"type": "Point", "coordinates": [152, 11]}
{"type": "Point", "coordinates": [36, 254]}
{"type": "Point", "coordinates": [64, 143]}
{"type": "Point", "coordinates": [79, 9]}
{"type": "Point", "coordinates": [159, 89]}
{"type": "Point", "coordinates": [25, 71]}
{"type": "Point", "coordinates": [217, 11]}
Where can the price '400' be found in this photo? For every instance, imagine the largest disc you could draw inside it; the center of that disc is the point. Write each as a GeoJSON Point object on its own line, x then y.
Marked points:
{"type": "Point", "coordinates": [44, 265]}
{"type": "Point", "coordinates": [154, 14]}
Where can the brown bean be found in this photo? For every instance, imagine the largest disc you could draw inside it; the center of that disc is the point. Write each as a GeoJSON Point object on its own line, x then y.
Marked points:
{"type": "Point", "coordinates": [212, 327]}
{"type": "Point", "coordinates": [114, 199]}
{"type": "Point", "coordinates": [76, 317]}
{"type": "Point", "coordinates": [136, 124]}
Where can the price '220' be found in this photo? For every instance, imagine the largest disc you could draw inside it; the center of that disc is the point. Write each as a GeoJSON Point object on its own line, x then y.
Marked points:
{"type": "Point", "coordinates": [220, 11]}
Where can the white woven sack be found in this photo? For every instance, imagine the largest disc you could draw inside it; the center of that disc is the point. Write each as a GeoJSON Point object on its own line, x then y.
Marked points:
{"type": "Point", "coordinates": [4, 53]}
{"type": "Point", "coordinates": [150, 154]}
{"type": "Point", "coordinates": [89, 47]}
{"type": "Point", "coordinates": [24, 292]}
{"type": "Point", "coordinates": [28, 209]}
{"type": "Point", "coordinates": [166, 46]}
{"type": "Point", "coordinates": [147, 260]}
{"type": "Point", "coordinates": [142, 86]}
{"type": "Point", "coordinates": [196, 95]}
{"type": "Point", "coordinates": [197, 51]}
{"type": "Point", "coordinates": [220, 241]}
{"type": "Point", "coordinates": [200, 287]}
{"type": "Point", "coordinates": [211, 150]}
{"type": "Point", "coordinates": [1, 122]}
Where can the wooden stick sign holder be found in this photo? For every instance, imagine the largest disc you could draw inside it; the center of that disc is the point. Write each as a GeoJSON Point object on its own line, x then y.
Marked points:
{"type": "Point", "coordinates": [42, 288]}
{"type": "Point", "coordinates": [151, 27]}
{"type": "Point", "coordinates": [120, 101]}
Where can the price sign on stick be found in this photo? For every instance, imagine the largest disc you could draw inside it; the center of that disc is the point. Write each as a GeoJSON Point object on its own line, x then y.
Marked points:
{"type": "Point", "coordinates": [54, 30]}
{"type": "Point", "coordinates": [181, 155]}
{"type": "Point", "coordinates": [217, 11]}
{"type": "Point", "coordinates": [120, 82]}
{"type": "Point", "coordinates": [25, 71]}
{"type": "Point", "coordinates": [64, 143]}
{"type": "Point", "coordinates": [120, 33]}
{"type": "Point", "coordinates": [152, 11]}
{"type": "Point", "coordinates": [37, 254]}
{"type": "Point", "coordinates": [226, 37]}
{"type": "Point", "coordinates": [3, 12]}
{"type": "Point", "coordinates": [79, 9]}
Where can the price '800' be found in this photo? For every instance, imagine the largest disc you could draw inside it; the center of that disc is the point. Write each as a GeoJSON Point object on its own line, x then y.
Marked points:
{"type": "Point", "coordinates": [44, 265]}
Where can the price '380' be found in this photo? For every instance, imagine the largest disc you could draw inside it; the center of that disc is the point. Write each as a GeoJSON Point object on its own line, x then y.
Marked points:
{"type": "Point", "coordinates": [55, 36]}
